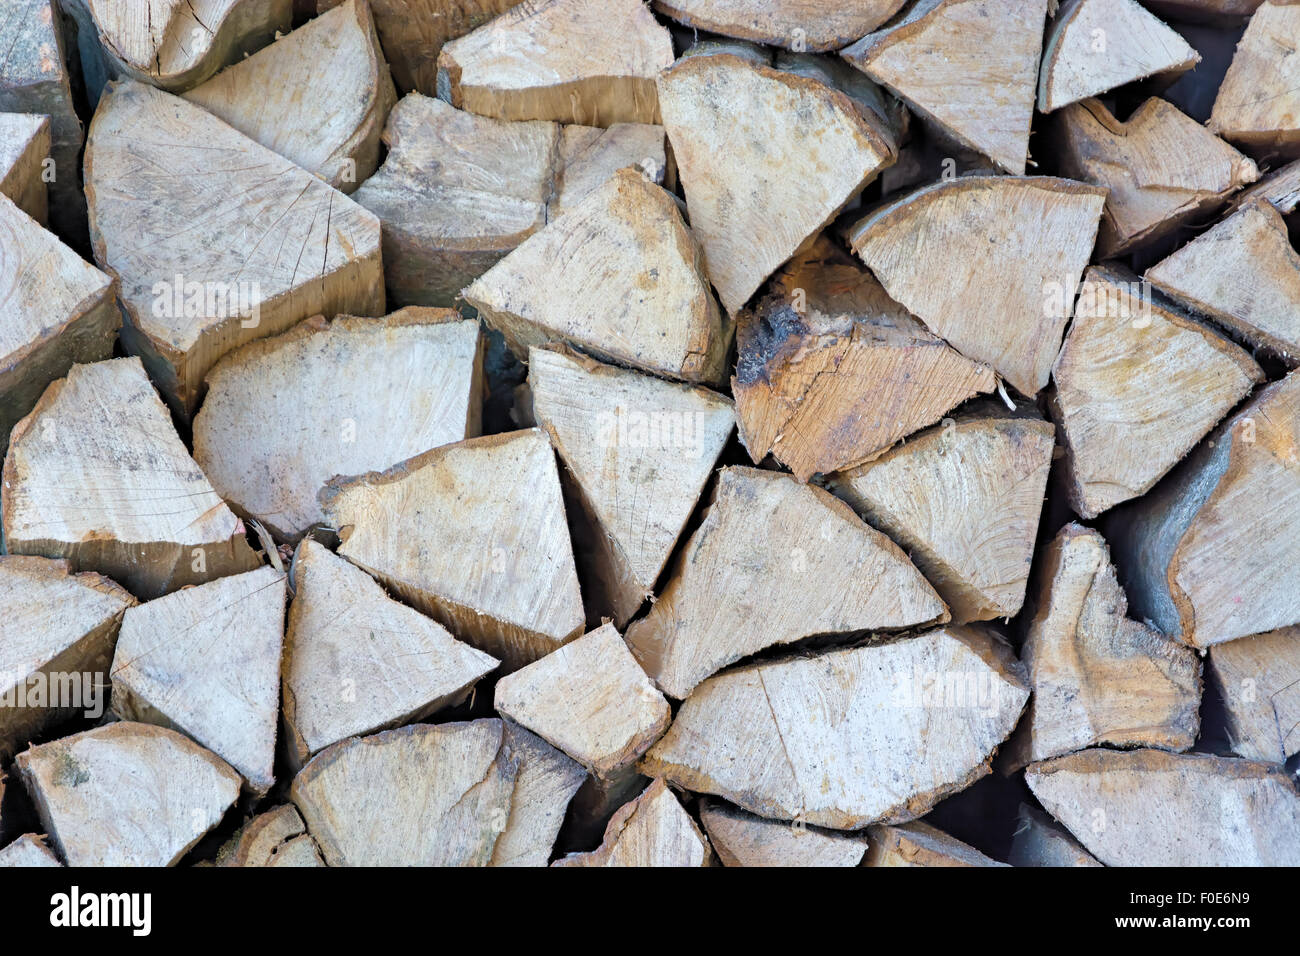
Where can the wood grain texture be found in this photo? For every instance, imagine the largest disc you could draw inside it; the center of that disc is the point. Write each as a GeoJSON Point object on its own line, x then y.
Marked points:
{"type": "Point", "coordinates": [815, 26]}
{"type": "Point", "coordinates": [24, 148]}
{"type": "Point", "coordinates": [1258, 104]}
{"type": "Point", "coordinates": [1041, 841]}
{"type": "Point", "coordinates": [653, 830]}
{"type": "Point", "coordinates": [29, 850]}
{"type": "Point", "coordinates": [920, 844]}
{"type": "Point", "coordinates": [1258, 680]}
{"type": "Point", "coordinates": [742, 839]}
{"type": "Point", "coordinates": [273, 838]}
{"type": "Point", "coordinates": [546, 782]}
{"type": "Point", "coordinates": [1281, 188]}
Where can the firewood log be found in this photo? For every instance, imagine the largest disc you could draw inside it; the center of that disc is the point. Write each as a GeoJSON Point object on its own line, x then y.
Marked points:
{"type": "Point", "coordinates": [920, 844]}
{"type": "Point", "coordinates": [811, 567]}
{"type": "Point", "coordinates": [652, 830]}
{"type": "Point", "coordinates": [590, 155]}
{"type": "Point", "coordinates": [815, 26]}
{"type": "Point", "coordinates": [1258, 679]}
{"type": "Point", "coordinates": [127, 794]}
{"type": "Point", "coordinates": [547, 781]}
{"type": "Point", "coordinates": [274, 838]}
{"type": "Point", "coordinates": [742, 839]}
{"type": "Point", "coordinates": [1258, 104]}
{"type": "Point", "coordinates": [96, 474]}
{"type": "Point", "coordinates": [29, 850]}
{"type": "Point", "coordinates": [24, 149]}
{"type": "Point", "coordinates": [1280, 187]}
{"type": "Point", "coordinates": [1041, 841]}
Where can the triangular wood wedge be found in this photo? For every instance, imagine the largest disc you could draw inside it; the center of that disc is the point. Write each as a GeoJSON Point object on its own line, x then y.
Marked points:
{"type": "Point", "coordinates": [742, 839]}
{"type": "Point", "coordinates": [1244, 274]}
{"type": "Point", "coordinates": [1041, 841]}
{"type": "Point", "coordinates": [1281, 188]}
{"type": "Point", "coordinates": [1258, 104]}
{"type": "Point", "coordinates": [589, 698]}
{"type": "Point", "coordinates": [814, 26]}
{"type": "Point", "coordinates": [1098, 677]}
{"type": "Point", "coordinates": [1096, 45]}
{"type": "Point", "coordinates": [590, 155]}
{"type": "Point", "coordinates": [202, 273]}
{"type": "Point", "coordinates": [811, 567]}
{"type": "Point", "coordinates": [356, 661]}
{"type": "Point", "coordinates": [474, 535]}
{"type": "Point", "coordinates": [318, 96]}
{"type": "Point", "coordinates": [619, 276]}
{"type": "Point", "coordinates": [1138, 383]}
{"type": "Point", "coordinates": [990, 263]}
{"type": "Point", "coordinates": [56, 642]}
{"type": "Point", "coordinates": [415, 796]}
{"type": "Point", "coordinates": [127, 794]}
{"type": "Point", "coordinates": [963, 499]}
{"type": "Point", "coordinates": [1196, 554]}
{"type": "Point", "coordinates": [749, 139]}
{"type": "Point", "coordinates": [206, 661]}
{"type": "Point", "coordinates": [969, 65]}
{"type": "Point", "coordinates": [29, 850]}
{"type": "Point", "coordinates": [337, 389]}
{"type": "Point", "coordinates": [652, 830]}
{"type": "Point", "coordinates": [639, 451]}
{"type": "Point", "coordinates": [97, 474]}
{"type": "Point", "coordinates": [1258, 679]}
{"type": "Point", "coordinates": [566, 60]}
{"type": "Point", "coordinates": [1164, 170]}
{"type": "Point", "coordinates": [546, 782]}
{"type": "Point", "coordinates": [58, 309]}
{"type": "Point", "coordinates": [848, 738]}
{"type": "Point", "coordinates": [1148, 808]}
{"type": "Point", "coordinates": [920, 844]}
{"type": "Point", "coordinates": [272, 839]}
{"type": "Point", "coordinates": [24, 148]}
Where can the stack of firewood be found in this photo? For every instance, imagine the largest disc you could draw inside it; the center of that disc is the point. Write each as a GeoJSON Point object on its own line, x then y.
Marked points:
{"type": "Point", "coordinates": [578, 432]}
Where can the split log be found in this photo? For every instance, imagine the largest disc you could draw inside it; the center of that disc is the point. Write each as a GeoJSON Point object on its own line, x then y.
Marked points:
{"type": "Point", "coordinates": [1243, 274]}
{"type": "Point", "coordinates": [811, 567]}
{"type": "Point", "coordinates": [336, 389]}
{"type": "Point", "coordinates": [590, 699]}
{"type": "Point", "coordinates": [1138, 384]}
{"type": "Point", "coordinates": [1148, 808]}
{"type": "Point", "coordinates": [97, 474]}
{"type": "Point", "coordinates": [58, 310]}
{"type": "Point", "coordinates": [748, 140]}
{"type": "Point", "coordinates": [652, 830]}
{"type": "Point", "coordinates": [1281, 188]}
{"type": "Point", "coordinates": [356, 661]}
{"type": "Point", "coordinates": [1096, 676]}
{"type": "Point", "coordinates": [1258, 679]}
{"type": "Point", "coordinates": [29, 850]}
{"type": "Point", "coordinates": [815, 26]}
{"type": "Point", "coordinates": [1094, 46]}
{"type": "Point", "coordinates": [56, 642]}
{"type": "Point", "coordinates": [990, 263]}
{"type": "Point", "coordinates": [24, 149]}
{"type": "Point", "coordinates": [1164, 171]}
{"type": "Point", "coordinates": [491, 561]}
{"type": "Point", "coordinates": [971, 66]}
{"type": "Point", "coordinates": [565, 60]}
{"type": "Point", "coordinates": [1041, 841]}
{"type": "Point", "coordinates": [590, 155]}
{"type": "Point", "coordinates": [1258, 104]}
{"type": "Point", "coordinates": [1200, 555]}
{"type": "Point", "coordinates": [742, 839]}
{"type": "Point", "coordinates": [920, 844]}
{"type": "Point", "coordinates": [546, 782]}
{"type": "Point", "coordinates": [637, 452]}
{"type": "Point", "coordinates": [619, 276]}
{"type": "Point", "coordinates": [319, 96]}
{"type": "Point", "coordinates": [964, 500]}
{"type": "Point", "coordinates": [831, 371]}
{"type": "Point", "coordinates": [847, 738]}
{"type": "Point", "coordinates": [275, 838]}
{"type": "Point", "coordinates": [416, 796]}
{"type": "Point", "coordinates": [288, 247]}
{"type": "Point", "coordinates": [127, 794]}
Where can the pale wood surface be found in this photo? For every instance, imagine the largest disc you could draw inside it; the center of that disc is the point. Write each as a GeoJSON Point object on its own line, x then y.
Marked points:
{"type": "Point", "coordinates": [24, 147]}
{"type": "Point", "coordinates": [817, 26]}
{"type": "Point", "coordinates": [652, 830]}
{"type": "Point", "coordinates": [1258, 104]}
{"type": "Point", "coordinates": [1258, 678]}
{"type": "Point", "coordinates": [1280, 187]}
{"type": "Point", "coordinates": [29, 850]}
{"type": "Point", "coordinates": [742, 839]}
{"type": "Point", "coordinates": [273, 838]}
{"type": "Point", "coordinates": [546, 782]}
{"type": "Point", "coordinates": [1041, 841]}
{"type": "Point", "coordinates": [589, 155]}
{"type": "Point", "coordinates": [920, 844]}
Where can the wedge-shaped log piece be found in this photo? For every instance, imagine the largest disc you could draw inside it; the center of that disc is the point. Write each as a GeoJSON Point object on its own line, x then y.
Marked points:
{"type": "Point", "coordinates": [1164, 170]}
{"type": "Point", "coordinates": [1245, 274]}
{"type": "Point", "coordinates": [964, 500]}
{"type": "Point", "coordinates": [337, 389]}
{"type": "Point", "coordinates": [96, 474]}
{"type": "Point", "coordinates": [850, 737]}
{"type": "Point", "coordinates": [24, 148]}
{"type": "Point", "coordinates": [56, 642]}
{"type": "Point", "coordinates": [1137, 385]}
{"type": "Point", "coordinates": [275, 838]}
{"type": "Point", "coordinates": [639, 451]}
{"type": "Point", "coordinates": [356, 661]}
{"type": "Point", "coordinates": [1098, 677]}
{"type": "Point", "coordinates": [1258, 679]}
{"type": "Point", "coordinates": [817, 26]}
{"type": "Point", "coordinates": [1148, 808]}
{"type": "Point", "coordinates": [1096, 45]}
{"type": "Point", "coordinates": [546, 782]}
{"type": "Point", "coordinates": [1258, 104]}
{"type": "Point", "coordinates": [216, 239]}
{"type": "Point", "coordinates": [742, 839]}
{"type": "Point", "coordinates": [319, 96]}
{"type": "Point", "coordinates": [58, 309]}
{"type": "Point", "coordinates": [748, 140]}
{"type": "Point", "coordinates": [810, 567]}
{"type": "Point", "coordinates": [566, 60]}
{"type": "Point", "coordinates": [29, 850]}
{"type": "Point", "coordinates": [489, 559]}
{"type": "Point", "coordinates": [589, 698]}
{"type": "Point", "coordinates": [1281, 188]}
{"type": "Point", "coordinates": [652, 830]}
{"type": "Point", "coordinates": [1200, 554]}
{"type": "Point", "coordinates": [415, 796]}
{"type": "Point", "coordinates": [1041, 841]}
{"type": "Point", "coordinates": [990, 263]}
{"type": "Point", "coordinates": [969, 65]}
{"type": "Point", "coordinates": [920, 844]}
{"type": "Point", "coordinates": [127, 794]}
{"type": "Point", "coordinates": [619, 276]}
{"type": "Point", "coordinates": [590, 155]}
